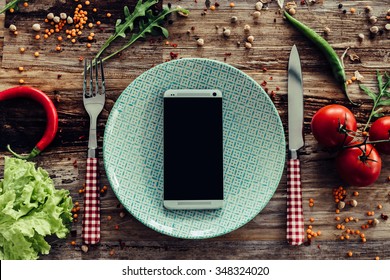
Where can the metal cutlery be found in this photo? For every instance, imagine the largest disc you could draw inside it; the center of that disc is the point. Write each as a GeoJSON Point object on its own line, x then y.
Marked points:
{"type": "Point", "coordinates": [295, 221]}
{"type": "Point", "coordinates": [93, 99]}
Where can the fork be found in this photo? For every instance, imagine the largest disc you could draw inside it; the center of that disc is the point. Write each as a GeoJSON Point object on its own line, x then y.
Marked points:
{"type": "Point", "coordinates": [93, 99]}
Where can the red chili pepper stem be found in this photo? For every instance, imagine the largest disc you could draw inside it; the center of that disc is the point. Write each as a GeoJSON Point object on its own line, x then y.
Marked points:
{"type": "Point", "coordinates": [32, 154]}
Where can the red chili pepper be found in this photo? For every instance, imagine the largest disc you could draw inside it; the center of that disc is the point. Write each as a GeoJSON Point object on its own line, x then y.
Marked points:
{"type": "Point", "coordinates": [51, 116]}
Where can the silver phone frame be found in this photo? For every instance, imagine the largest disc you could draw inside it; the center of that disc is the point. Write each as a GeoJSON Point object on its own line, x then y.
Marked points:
{"type": "Point", "coordinates": [193, 204]}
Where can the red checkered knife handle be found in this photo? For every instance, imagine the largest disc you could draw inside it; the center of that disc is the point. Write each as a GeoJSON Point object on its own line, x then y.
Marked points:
{"type": "Point", "coordinates": [295, 223]}
{"type": "Point", "coordinates": [91, 221]}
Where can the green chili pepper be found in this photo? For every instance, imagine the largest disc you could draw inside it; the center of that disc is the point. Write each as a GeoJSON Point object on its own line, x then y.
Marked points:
{"type": "Point", "coordinates": [330, 54]}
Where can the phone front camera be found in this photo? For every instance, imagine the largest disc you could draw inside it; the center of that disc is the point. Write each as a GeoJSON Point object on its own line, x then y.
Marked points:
{"type": "Point", "coordinates": [214, 94]}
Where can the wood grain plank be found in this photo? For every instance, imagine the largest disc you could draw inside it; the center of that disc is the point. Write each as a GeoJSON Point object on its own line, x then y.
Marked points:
{"type": "Point", "coordinates": [59, 75]}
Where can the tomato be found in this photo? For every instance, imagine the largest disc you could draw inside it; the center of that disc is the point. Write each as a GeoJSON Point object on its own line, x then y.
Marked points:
{"type": "Point", "coordinates": [380, 130]}
{"type": "Point", "coordinates": [359, 166]}
{"type": "Point", "coordinates": [330, 125]}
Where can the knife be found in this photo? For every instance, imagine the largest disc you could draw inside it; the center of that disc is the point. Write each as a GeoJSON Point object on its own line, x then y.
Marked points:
{"type": "Point", "coordinates": [295, 222]}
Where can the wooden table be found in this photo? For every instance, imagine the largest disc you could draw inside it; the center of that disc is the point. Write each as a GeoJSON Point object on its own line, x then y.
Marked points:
{"type": "Point", "coordinates": [59, 75]}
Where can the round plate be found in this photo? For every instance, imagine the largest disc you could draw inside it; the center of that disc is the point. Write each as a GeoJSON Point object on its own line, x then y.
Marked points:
{"type": "Point", "coordinates": [253, 139]}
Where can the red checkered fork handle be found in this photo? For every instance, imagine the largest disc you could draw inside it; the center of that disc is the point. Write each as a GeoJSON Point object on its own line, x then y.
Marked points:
{"type": "Point", "coordinates": [91, 221]}
{"type": "Point", "coordinates": [295, 224]}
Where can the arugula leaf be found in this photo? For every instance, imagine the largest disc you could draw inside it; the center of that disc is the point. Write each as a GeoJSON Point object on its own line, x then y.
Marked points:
{"type": "Point", "coordinates": [148, 25]}
{"type": "Point", "coordinates": [121, 27]}
{"type": "Point", "coordinates": [382, 98]}
{"type": "Point", "coordinates": [368, 92]}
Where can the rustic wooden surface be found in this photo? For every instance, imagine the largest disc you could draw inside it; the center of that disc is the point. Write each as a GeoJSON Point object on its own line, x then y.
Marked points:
{"type": "Point", "coordinates": [59, 75]}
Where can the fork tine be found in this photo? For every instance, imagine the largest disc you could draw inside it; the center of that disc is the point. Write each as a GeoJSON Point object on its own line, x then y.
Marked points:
{"type": "Point", "coordinates": [94, 62]}
{"type": "Point", "coordinates": [85, 79]}
{"type": "Point", "coordinates": [90, 78]}
{"type": "Point", "coordinates": [103, 90]}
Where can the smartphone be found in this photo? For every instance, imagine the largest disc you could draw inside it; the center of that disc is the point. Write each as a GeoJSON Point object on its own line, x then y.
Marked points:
{"type": "Point", "coordinates": [193, 149]}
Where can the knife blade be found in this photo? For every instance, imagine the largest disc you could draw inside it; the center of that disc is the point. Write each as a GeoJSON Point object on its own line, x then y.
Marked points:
{"type": "Point", "coordinates": [295, 221]}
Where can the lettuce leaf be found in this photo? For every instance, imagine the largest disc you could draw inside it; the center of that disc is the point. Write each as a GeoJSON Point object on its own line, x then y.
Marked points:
{"type": "Point", "coordinates": [31, 208]}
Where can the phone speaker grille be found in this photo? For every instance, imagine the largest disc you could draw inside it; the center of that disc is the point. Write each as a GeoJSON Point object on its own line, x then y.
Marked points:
{"type": "Point", "coordinates": [194, 203]}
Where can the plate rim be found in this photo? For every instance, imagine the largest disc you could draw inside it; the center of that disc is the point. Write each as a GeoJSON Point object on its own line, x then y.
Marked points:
{"type": "Point", "coordinates": [230, 229]}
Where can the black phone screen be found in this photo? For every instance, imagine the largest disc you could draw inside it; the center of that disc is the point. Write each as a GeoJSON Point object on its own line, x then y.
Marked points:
{"type": "Point", "coordinates": [193, 148]}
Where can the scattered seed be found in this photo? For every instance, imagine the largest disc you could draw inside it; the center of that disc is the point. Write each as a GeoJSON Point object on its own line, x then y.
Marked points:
{"type": "Point", "coordinates": [63, 16]}
{"type": "Point", "coordinates": [232, 5]}
{"type": "Point", "coordinates": [292, 11]}
{"type": "Point", "coordinates": [352, 10]}
{"type": "Point", "coordinates": [353, 203]}
{"type": "Point", "coordinates": [373, 19]}
{"type": "Point", "coordinates": [248, 45]}
{"type": "Point", "coordinates": [36, 54]}
{"type": "Point", "coordinates": [233, 19]}
{"type": "Point", "coordinates": [350, 254]}
{"type": "Point", "coordinates": [36, 27]}
{"type": "Point", "coordinates": [21, 81]}
{"type": "Point", "coordinates": [259, 6]}
{"type": "Point", "coordinates": [56, 19]}
{"type": "Point", "coordinates": [341, 205]}
{"type": "Point", "coordinates": [387, 26]}
{"type": "Point", "coordinates": [368, 9]}
{"type": "Point", "coordinates": [50, 16]}
{"type": "Point", "coordinates": [250, 39]}
{"type": "Point", "coordinates": [247, 27]}
{"type": "Point", "coordinates": [73, 243]}
{"type": "Point", "coordinates": [21, 68]}
{"type": "Point", "coordinates": [12, 28]}
{"type": "Point", "coordinates": [108, 15]}
{"type": "Point", "coordinates": [374, 29]}
{"type": "Point", "coordinates": [200, 42]}
{"type": "Point", "coordinates": [84, 248]}
{"type": "Point", "coordinates": [327, 30]}
{"type": "Point", "coordinates": [226, 32]}
{"type": "Point", "coordinates": [256, 15]}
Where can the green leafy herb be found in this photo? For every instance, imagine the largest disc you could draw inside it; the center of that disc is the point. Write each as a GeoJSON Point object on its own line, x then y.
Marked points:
{"type": "Point", "coordinates": [30, 209]}
{"type": "Point", "coordinates": [128, 25]}
{"type": "Point", "coordinates": [149, 23]}
{"type": "Point", "coordinates": [11, 5]}
{"type": "Point", "coordinates": [381, 99]}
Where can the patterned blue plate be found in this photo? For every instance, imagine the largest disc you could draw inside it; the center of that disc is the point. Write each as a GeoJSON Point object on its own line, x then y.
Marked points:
{"type": "Point", "coordinates": [254, 148]}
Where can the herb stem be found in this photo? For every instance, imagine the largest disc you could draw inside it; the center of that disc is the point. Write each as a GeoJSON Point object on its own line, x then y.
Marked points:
{"type": "Point", "coordinates": [143, 31]}
{"type": "Point", "coordinates": [10, 5]}
{"type": "Point", "coordinates": [377, 98]}
{"type": "Point", "coordinates": [120, 28]}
